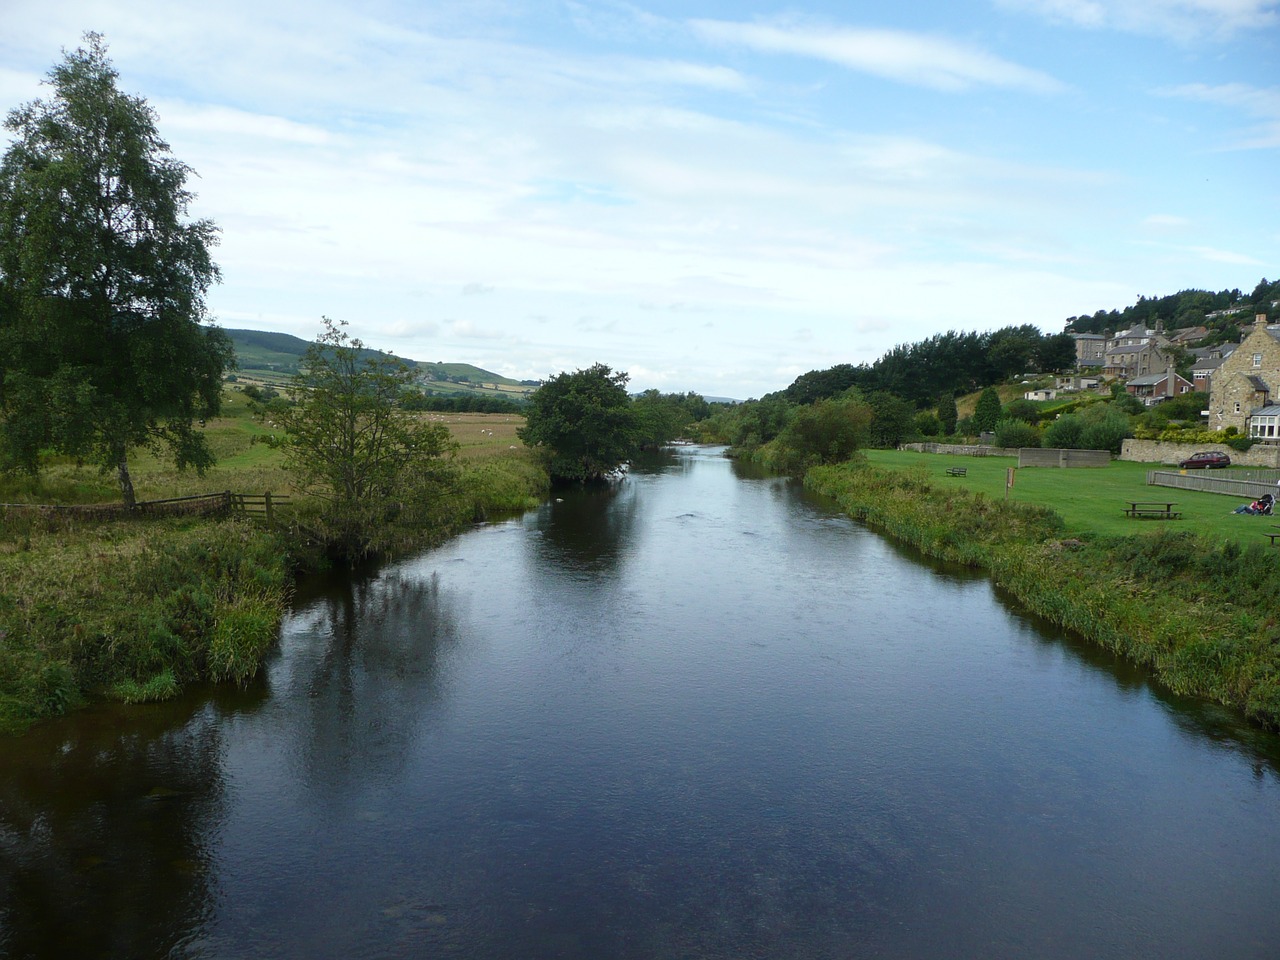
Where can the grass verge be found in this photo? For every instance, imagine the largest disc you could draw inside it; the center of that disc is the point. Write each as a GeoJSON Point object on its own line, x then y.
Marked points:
{"type": "Point", "coordinates": [1197, 610]}
{"type": "Point", "coordinates": [135, 610]}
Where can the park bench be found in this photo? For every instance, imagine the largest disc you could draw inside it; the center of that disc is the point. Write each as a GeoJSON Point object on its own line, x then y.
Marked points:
{"type": "Point", "coordinates": [957, 471]}
{"type": "Point", "coordinates": [1151, 510]}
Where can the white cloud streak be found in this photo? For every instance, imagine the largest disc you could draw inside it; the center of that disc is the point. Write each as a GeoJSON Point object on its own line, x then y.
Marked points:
{"type": "Point", "coordinates": [912, 58]}
{"type": "Point", "coordinates": [1182, 20]}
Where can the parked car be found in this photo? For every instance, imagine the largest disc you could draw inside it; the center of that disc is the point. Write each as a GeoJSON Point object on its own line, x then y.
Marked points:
{"type": "Point", "coordinates": [1209, 458]}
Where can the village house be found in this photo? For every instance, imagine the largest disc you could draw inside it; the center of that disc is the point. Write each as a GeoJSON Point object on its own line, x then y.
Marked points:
{"type": "Point", "coordinates": [1154, 387]}
{"type": "Point", "coordinates": [1243, 387]}
{"type": "Point", "coordinates": [1091, 350]}
{"type": "Point", "coordinates": [1136, 352]}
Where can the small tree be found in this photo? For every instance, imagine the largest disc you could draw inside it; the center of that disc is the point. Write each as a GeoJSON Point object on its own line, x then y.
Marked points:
{"type": "Point", "coordinates": [102, 282]}
{"type": "Point", "coordinates": [346, 437]}
{"type": "Point", "coordinates": [585, 423]}
{"type": "Point", "coordinates": [1013, 433]}
{"type": "Point", "coordinates": [987, 413]}
{"type": "Point", "coordinates": [1065, 433]}
{"type": "Point", "coordinates": [829, 431]}
{"type": "Point", "coordinates": [947, 413]}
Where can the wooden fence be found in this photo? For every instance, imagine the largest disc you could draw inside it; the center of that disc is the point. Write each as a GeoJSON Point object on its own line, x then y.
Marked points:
{"type": "Point", "coordinates": [1243, 484]}
{"type": "Point", "coordinates": [257, 505]}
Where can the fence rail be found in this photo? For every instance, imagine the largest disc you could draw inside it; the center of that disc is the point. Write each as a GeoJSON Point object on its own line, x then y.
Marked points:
{"type": "Point", "coordinates": [1248, 485]}
{"type": "Point", "coordinates": [258, 505]}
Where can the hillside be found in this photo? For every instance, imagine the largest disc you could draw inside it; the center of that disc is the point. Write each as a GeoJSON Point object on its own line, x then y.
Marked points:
{"type": "Point", "coordinates": [274, 357]}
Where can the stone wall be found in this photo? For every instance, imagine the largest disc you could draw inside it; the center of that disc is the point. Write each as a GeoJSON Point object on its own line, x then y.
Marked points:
{"type": "Point", "coordinates": [1265, 455]}
{"type": "Point", "coordinates": [961, 449]}
{"type": "Point", "coordinates": [1052, 457]}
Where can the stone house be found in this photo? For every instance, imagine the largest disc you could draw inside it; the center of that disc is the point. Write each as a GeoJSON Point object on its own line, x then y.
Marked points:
{"type": "Point", "coordinates": [1247, 380]}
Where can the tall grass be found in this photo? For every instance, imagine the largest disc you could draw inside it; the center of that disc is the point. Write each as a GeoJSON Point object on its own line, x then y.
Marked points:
{"type": "Point", "coordinates": [1198, 612]}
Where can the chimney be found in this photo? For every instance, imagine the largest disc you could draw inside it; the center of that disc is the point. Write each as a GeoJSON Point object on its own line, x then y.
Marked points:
{"type": "Point", "coordinates": [1260, 321]}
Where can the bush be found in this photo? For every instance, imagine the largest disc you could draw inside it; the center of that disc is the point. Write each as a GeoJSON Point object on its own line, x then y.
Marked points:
{"type": "Point", "coordinates": [1065, 433]}
{"type": "Point", "coordinates": [1012, 433]}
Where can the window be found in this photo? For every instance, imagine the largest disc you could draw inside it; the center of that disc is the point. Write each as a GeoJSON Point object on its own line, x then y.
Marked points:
{"type": "Point", "coordinates": [1257, 359]}
{"type": "Point", "coordinates": [1237, 407]}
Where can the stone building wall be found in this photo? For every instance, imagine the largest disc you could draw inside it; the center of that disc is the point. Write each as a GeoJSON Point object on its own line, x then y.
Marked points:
{"type": "Point", "coordinates": [1232, 396]}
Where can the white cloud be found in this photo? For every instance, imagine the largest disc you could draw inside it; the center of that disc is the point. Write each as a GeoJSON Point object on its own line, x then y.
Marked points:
{"type": "Point", "coordinates": [1184, 20]}
{"type": "Point", "coordinates": [1226, 256]}
{"type": "Point", "coordinates": [1166, 221]}
{"type": "Point", "coordinates": [1262, 104]}
{"type": "Point", "coordinates": [911, 58]}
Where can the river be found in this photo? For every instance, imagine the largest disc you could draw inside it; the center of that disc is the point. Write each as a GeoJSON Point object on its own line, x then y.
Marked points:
{"type": "Point", "coordinates": [699, 715]}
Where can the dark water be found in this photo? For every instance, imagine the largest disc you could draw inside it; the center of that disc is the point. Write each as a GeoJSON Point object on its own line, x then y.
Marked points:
{"type": "Point", "coordinates": [698, 716]}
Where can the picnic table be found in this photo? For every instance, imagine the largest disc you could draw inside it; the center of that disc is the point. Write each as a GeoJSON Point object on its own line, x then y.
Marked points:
{"type": "Point", "coordinates": [957, 471]}
{"type": "Point", "coordinates": [1273, 537]}
{"type": "Point", "coordinates": [1152, 509]}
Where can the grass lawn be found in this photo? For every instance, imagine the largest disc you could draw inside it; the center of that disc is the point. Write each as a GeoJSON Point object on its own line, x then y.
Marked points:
{"type": "Point", "coordinates": [1091, 499]}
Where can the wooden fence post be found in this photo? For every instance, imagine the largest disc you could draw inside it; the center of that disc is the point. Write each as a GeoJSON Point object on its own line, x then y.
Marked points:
{"type": "Point", "coordinates": [267, 501]}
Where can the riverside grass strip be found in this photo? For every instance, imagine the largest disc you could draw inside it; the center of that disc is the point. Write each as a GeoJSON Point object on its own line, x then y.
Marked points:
{"type": "Point", "coordinates": [1198, 611]}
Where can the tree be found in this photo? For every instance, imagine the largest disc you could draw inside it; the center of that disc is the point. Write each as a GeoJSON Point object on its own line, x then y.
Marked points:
{"type": "Point", "coordinates": [829, 431]}
{"type": "Point", "coordinates": [346, 437]}
{"type": "Point", "coordinates": [102, 282]}
{"type": "Point", "coordinates": [947, 414]}
{"type": "Point", "coordinates": [893, 420]}
{"type": "Point", "coordinates": [584, 421]}
{"type": "Point", "coordinates": [987, 413]}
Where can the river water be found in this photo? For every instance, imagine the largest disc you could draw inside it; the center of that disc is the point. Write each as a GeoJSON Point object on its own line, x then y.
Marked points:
{"type": "Point", "coordinates": [698, 715]}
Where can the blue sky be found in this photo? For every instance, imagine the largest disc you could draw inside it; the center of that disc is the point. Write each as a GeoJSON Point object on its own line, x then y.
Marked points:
{"type": "Point", "coordinates": [710, 196]}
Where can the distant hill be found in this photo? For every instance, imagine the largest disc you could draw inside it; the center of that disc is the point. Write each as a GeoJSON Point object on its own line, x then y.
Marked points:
{"type": "Point", "coordinates": [274, 357]}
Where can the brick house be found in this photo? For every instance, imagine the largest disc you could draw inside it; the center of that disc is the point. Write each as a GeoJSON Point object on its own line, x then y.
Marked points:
{"type": "Point", "coordinates": [1247, 381]}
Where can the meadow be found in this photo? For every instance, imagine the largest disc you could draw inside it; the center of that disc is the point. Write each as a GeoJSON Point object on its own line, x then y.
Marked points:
{"type": "Point", "coordinates": [1090, 500]}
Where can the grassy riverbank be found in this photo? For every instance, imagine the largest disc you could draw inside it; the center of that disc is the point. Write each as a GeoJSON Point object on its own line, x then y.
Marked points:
{"type": "Point", "coordinates": [1196, 608]}
{"type": "Point", "coordinates": [134, 610]}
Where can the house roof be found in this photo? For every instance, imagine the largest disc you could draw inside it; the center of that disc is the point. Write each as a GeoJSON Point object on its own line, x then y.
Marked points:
{"type": "Point", "coordinates": [1208, 363]}
{"type": "Point", "coordinates": [1258, 383]}
{"type": "Point", "coordinates": [1271, 411]}
{"type": "Point", "coordinates": [1150, 380]}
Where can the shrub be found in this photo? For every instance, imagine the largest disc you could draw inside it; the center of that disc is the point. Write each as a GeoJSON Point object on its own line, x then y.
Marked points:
{"type": "Point", "coordinates": [1011, 433]}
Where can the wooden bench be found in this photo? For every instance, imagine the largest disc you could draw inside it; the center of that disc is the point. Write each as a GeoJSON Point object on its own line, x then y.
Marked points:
{"type": "Point", "coordinates": [1273, 537]}
{"type": "Point", "coordinates": [957, 471]}
{"type": "Point", "coordinates": [1152, 510]}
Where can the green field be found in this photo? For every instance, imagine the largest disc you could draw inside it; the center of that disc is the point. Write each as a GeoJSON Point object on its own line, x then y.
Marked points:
{"type": "Point", "coordinates": [1090, 499]}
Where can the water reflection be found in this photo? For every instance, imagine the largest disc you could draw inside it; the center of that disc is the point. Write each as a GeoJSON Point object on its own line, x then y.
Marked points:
{"type": "Point", "coordinates": [362, 658]}
{"type": "Point", "coordinates": [108, 829]}
{"type": "Point", "coordinates": [696, 715]}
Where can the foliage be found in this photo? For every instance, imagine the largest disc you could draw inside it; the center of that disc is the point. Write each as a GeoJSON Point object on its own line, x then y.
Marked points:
{"type": "Point", "coordinates": [419, 401]}
{"type": "Point", "coordinates": [1186, 308]}
{"type": "Point", "coordinates": [102, 282]}
{"type": "Point", "coordinates": [585, 422]}
{"type": "Point", "coordinates": [927, 424]}
{"type": "Point", "coordinates": [346, 438]}
{"type": "Point", "coordinates": [664, 417]}
{"type": "Point", "coordinates": [945, 363]}
{"type": "Point", "coordinates": [987, 413]}
{"type": "Point", "coordinates": [1065, 433]}
{"type": "Point", "coordinates": [1013, 433]}
{"type": "Point", "coordinates": [747, 426]}
{"type": "Point", "coordinates": [893, 419]}
{"type": "Point", "coordinates": [947, 413]}
{"type": "Point", "coordinates": [134, 610]}
{"type": "Point", "coordinates": [828, 431]}
{"type": "Point", "coordinates": [1108, 433]}
{"type": "Point", "coordinates": [1022, 409]}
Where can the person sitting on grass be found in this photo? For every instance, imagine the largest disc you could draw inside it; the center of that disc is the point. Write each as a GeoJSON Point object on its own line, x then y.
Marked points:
{"type": "Point", "coordinates": [1262, 505]}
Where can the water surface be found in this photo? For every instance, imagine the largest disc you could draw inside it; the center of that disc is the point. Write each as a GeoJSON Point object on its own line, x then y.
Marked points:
{"type": "Point", "coordinates": [699, 715]}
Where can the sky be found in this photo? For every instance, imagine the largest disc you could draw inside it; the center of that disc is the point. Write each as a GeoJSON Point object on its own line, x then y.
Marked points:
{"type": "Point", "coordinates": [710, 196]}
